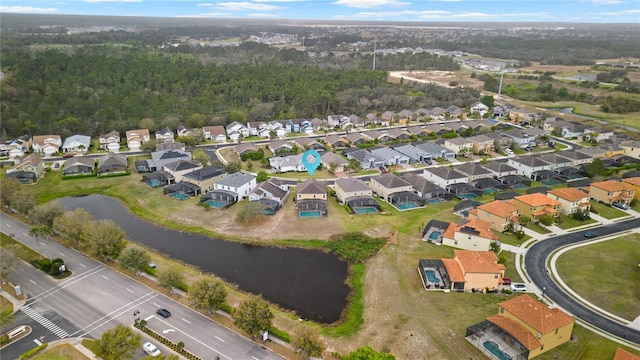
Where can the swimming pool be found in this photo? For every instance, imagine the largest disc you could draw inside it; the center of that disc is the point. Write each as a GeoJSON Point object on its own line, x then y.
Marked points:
{"type": "Point", "coordinates": [179, 196]}
{"type": "Point", "coordinates": [365, 210]}
{"type": "Point", "coordinates": [408, 205]}
{"type": "Point", "coordinates": [431, 276]}
{"type": "Point", "coordinates": [435, 200]}
{"type": "Point", "coordinates": [215, 203]}
{"type": "Point", "coordinates": [154, 183]}
{"type": "Point", "coordinates": [310, 213]}
{"type": "Point", "coordinates": [467, 196]}
{"type": "Point", "coordinates": [435, 235]}
{"type": "Point", "coordinates": [495, 350]}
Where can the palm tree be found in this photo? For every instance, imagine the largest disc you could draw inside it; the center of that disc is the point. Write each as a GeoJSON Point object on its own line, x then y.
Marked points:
{"type": "Point", "coordinates": [7, 318]}
{"type": "Point", "coordinates": [37, 231]}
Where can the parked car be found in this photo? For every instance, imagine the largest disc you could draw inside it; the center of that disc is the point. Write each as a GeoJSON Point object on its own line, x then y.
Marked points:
{"type": "Point", "coordinates": [163, 312]}
{"type": "Point", "coordinates": [590, 234]}
{"type": "Point", "coordinates": [68, 155]}
{"type": "Point", "coordinates": [518, 287]}
{"type": "Point", "coordinates": [151, 349]}
{"type": "Point", "coordinates": [383, 170]}
{"type": "Point", "coordinates": [620, 205]}
{"type": "Point", "coordinates": [508, 152]}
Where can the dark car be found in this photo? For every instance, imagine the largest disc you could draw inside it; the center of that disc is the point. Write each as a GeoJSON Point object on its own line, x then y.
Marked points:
{"type": "Point", "coordinates": [383, 169]}
{"type": "Point", "coordinates": [163, 312]}
{"type": "Point", "coordinates": [590, 234]}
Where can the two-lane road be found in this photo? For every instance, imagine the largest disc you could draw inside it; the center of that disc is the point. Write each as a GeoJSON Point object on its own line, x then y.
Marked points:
{"type": "Point", "coordinates": [535, 260]}
{"type": "Point", "coordinates": [95, 298]}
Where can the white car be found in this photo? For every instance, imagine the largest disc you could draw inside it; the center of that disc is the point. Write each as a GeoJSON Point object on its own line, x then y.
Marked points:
{"type": "Point", "coordinates": [518, 287]}
{"type": "Point", "coordinates": [508, 152]}
{"type": "Point", "coordinates": [151, 349]}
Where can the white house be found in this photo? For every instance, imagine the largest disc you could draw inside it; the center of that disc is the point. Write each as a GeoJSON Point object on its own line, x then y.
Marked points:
{"type": "Point", "coordinates": [479, 108]}
{"type": "Point", "coordinates": [444, 176]}
{"type": "Point", "coordinates": [527, 165]}
{"type": "Point", "coordinates": [76, 143]}
{"type": "Point", "coordinates": [287, 163]}
{"type": "Point", "coordinates": [165, 135]}
{"type": "Point", "coordinates": [47, 145]}
{"type": "Point", "coordinates": [215, 133]}
{"type": "Point", "coordinates": [239, 183]}
{"type": "Point", "coordinates": [235, 130]}
{"type": "Point", "coordinates": [110, 141]}
{"type": "Point", "coordinates": [135, 138]}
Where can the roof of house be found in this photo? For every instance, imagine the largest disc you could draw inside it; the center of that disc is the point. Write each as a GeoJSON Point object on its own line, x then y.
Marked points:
{"type": "Point", "coordinates": [30, 160]}
{"type": "Point", "coordinates": [40, 139]}
{"type": "Point", "coordinates": [499, 167]}
{"type": "Point", "coordinates": [569, 194]}
{"type": "Point", "coordinates": [388, 153]}
{"type": "Point", "coordinates": [529, 161]}
{"type": "Point", "coordinates": [84, 140]}
{"type": "Point", "coordinates": [111, 159]}
{"type": "Point", "coordinates": [446, 173]}
{"type": "Point", "coordinates": [244, 147]}
{"type": "Point", "coordinates": [516, 330]}
{"type": "Point", "coordinates": [270, 187]}
{"type": "Point", "coordinates": [459, 141]}
{"type": "Point", "coordinates": [574, 155]}
{"type": "Point", "coordinates": [205, 173]}
{"type": "Point", "coordinates": [182, 165]}
{"type": "Point", "coordinates": [454, 270]}
{"type": "Point", "coordinates": [113, 133]}
{"type": "Point", "coordinates": [479, 227]}
{"type": "Point", "coordinates": [215, 130]}
{"type": "Point", "coordinates": [478, 261]}
{"type": "Point", "coordinates": [236, 179]}
{"type": "Point", "coordinates": [312, 186]}
{"type": "Point", "coordinates": [536, 314]}
{"type": "Point", "coordinates": [633, 181]}
{"type": "Point", "coordinates": [79, 160]}
{"type": "Point", "coordinates": [622, 354]}
{"type": "Point", "coordinates": [554, 159]}
{"type": "Point", "coordinates": [137, 133]}
{"type": "Point", "coordinates": [329, 157]}
{"type": "Point", "coordinates": [351, 184]}
{"type": "Point", "coordinates": [411, 151]}
{"type": "Point", "coordinates": [389, 181]}
{"type": "Point", "coordinates": [420, 183]}
{"type": "Point", "coordinates": [612, 185]}
{"type": "Point", "coordinates": [537, 199]}
{"type": "Point", "coordinates": [170, 154]}
{"type": "Point", "coordinates": [499, 208]}
{"type": "Point", "coordinates": [472, 169]}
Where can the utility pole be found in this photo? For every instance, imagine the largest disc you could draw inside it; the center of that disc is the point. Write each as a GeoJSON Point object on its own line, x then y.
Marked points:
{"type": "Point", "coordinates": [374, 55]}
{"type": "Point", "coordinates": [500, 87]}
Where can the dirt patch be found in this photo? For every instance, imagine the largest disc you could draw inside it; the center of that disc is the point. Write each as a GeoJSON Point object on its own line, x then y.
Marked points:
{"type": "Point", "coordinates": [442, 78]}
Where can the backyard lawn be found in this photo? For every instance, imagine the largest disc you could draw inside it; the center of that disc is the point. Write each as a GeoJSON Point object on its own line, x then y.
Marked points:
{"type": "Point", "coordinates": [569, 222]}
{"type": "Point", "coordinates": [606, 274]}
{"type": "Point", "coordinates": [511, 239]}
{"type": "Point", "coordinates": [537, 228]}
{"type": "Point", "coordinates": [587, 346]}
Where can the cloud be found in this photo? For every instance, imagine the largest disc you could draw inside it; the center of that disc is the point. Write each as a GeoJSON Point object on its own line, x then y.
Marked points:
{"type": "Point", "coordinates": [25, 9]}
{"type": "Point", "coordinates": [405, 14]}
{"type": "Point", "coordinates": [367, 4]}
{"type": "Point", "coordinates": [608, 2]}
{"type": "Point", "coordinates": [621, 13]}
{"type": "Point", "coordinates": [262, 15]}
{"type": "Point", "coordinates": [121, 1]}
{"type": "Point", "coordinates": [245, 5]}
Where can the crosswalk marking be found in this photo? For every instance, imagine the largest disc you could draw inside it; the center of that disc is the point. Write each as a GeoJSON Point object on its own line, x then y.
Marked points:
{"type": "Point", "coordinates": [44, 322]}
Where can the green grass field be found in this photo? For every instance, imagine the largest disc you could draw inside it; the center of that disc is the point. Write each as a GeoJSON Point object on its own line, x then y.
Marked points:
{"type": "Point", "coordinates": [607, 212]}
{"type": "Point", "coordinates": [606, 274]}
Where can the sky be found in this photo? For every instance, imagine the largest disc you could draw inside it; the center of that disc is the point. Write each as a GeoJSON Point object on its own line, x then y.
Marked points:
{"type": "Point", "coordinates": [587, 11]}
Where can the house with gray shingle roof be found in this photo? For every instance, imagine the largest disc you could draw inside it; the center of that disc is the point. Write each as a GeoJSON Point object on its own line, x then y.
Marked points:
{"type": "Point", "coordinates": [577, 158]}
{"type": "Point", "coordinates": [459, 145]}
{"type": "Point", "coordinates": [112, 163]}
{"type": "Point", "coordinates": [307, 143]}
{"type": "Point", "coordinates": [287, 163]}
{"type": "Point", "coordinates": [180, 167]}
{"type": "Point", "coordinates": [351, 187]}
{"type": "Point", "coordinates": [205, 177]}
{"type": "Point", "coordinates": [165, 135]}
{"type": "Point", "coordinates": [521, 138]}
{"type": "Point", "coordinates": [272, 193]}
{"type": "Point", "coordinates": [473, 171]}
{"type": "Point", "coordinates": [436, 151]}
{"type": "Point", "coordinates": [527, 165]}
{"type": "Point", "coordinates": [399, 134]}
{"type": "Point", "coordinates": [418, 131]}
{"type": "Point", "coordinates": [357, 138]}
{"type": "Point", "coordinates": [422, 187]}
{"type": "Point", "coordinates": [500, 169]}
{"type": "Point", "coordinates": [76, 143]}
{"type": "Point", "coordinates": [572, 129]}
{"type": "Point", "coordinates": [386, 184]}
{"type": "Point", "coordinates": [444, 176]}
{"type": "Point", "coordinates": [556, 161]}
{"type": "Point", "coordinates": [160, 158]}
{"type": "Point", "coordinates": [415, 154]}
{"type": "Point", "coordinates": [336, 141]}
{"type": "Point", "coordinates": [311, 198]}
{"type": "Point", "coordinates": [366, 159]}
{"type": "Point", "coordinates": [239, 183]}
{"type": "Point", "coordinates": [390, 156]}
{"type": "Point", "coordinates": [281, 145]}
{"type": "Point", "coordinates": [328, 158]}
{"type": "Point", "coordinates": [78, 165]}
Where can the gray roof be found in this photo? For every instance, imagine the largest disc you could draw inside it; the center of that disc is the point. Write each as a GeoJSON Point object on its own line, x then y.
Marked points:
{"type": "Point", "coordinates": [330, 157]}
{"type": "Point", "coordinates": [554, 159]}
{"type": "Point", "coordinates": [269, 187]}
{"type": "Point", "coordinates": [312, 186]}
{"type": "Point", "coordinates": [574, 155]}
{"type": "Point", "coordinates": [499, 167]}
{"type": "Point", "coordinates": [446, 173]}
{"type": "Point", "coordinates": [79, 161]}
{"type": "Point", "coordinates": [529, 161]}
{"type": "Point", "coordinates": [170, 154]}
{"type": "Point", "coordinates": [205, 173]}
{"type": "Point", "coordinates": [236, 179]}
{"type": "Point", "coordinates": [411, 151]}
{"type": "Point", "coordinates": [351, 184]}
{"type": "Point", "coordinates": [181, 165]}
{"type": "Point", "coordinates": [365, 156]}
{"type": "Point", "coordinates": [387, 153]}
{"type": "Point", "coordinates": [389, 181]}
{"type": "Point", "coordinates": [420, 183]}
{"type": "Point", "coordinates": [516, 133]}
{"type": "Point", "coordinates": [472, 169]}
{"type": "Point", "coordinates": [433, 148]}
{"type": "Point", "coordinates": [82, 139]}
{"type": "Point", "coordinates": [112, 159]}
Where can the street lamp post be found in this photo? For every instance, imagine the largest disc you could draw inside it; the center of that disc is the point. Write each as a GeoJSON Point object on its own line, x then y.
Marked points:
{"type": "Point", "coordinates": [544, 288]}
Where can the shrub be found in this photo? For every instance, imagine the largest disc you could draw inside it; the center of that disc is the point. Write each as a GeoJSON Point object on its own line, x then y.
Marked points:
{"type": "Point", "coordinates": [282, 335]}
{"type": "Point", "coordinates": [33, 351]}
{"type": "Point", "coordinates": [355, 247]}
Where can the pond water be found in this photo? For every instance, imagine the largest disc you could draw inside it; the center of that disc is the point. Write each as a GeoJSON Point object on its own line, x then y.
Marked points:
{"type": "Point", "coordinates": [309, 282]}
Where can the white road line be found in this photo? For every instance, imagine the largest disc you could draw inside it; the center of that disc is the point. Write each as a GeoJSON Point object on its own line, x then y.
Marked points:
{"type": "Point", "coordinates": [129, 290]}
{"type": "Point", "coordinates": [187, 321]}
{"type": "Point", "coordinates": [64, 284]}
{"type": "Point", "coordinates": [156, 304]}
{"type": "Point", "coordinates": [33, 282]}
{"type": "Point", "coordinates": [104, 277]}
{"type": "Point", "coordinates": [8, 225]}
{"type": "Point", "coordinates": [40, 319]}
{"type": "Point", "coordinates": [219, 338]}
{"type": "Point", "coordinates": [253, 357]}
{"type": "Point", "coordinates": [61, 253]}
{"type": "Point", "coordinates": [83, 265]}
{"type": "Point", "coordinates": [25, 234]}
{"type": "Point", "coordinates": [148, 317]}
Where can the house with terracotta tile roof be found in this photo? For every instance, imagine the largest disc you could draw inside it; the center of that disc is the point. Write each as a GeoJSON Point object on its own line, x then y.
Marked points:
{"type": "Point", "coordinates": [523, 329]}
{"type": "Point", "coordinates": [470, 234]}
{"type": "Point", "coordinates": [536, 205]}
{"type": "Point", "coordinates": [635, 184]}
{"type": "Point", "coordinates": [572, 200]}
{"type": "Point", "coordinates": [622, 354]}
{"type": "Point", "coordinates": [467, 271]}
{"type": "Point", "coordinates": [500, 214]}
{"type": "Point", "coordinates": [612, 191]}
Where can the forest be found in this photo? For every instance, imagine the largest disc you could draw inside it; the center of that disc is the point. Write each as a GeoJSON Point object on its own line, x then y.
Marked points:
{"type": "Point", "coordinates": [96, 89]}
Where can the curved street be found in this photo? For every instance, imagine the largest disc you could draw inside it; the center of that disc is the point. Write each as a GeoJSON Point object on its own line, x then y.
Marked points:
{"type": "Point", "coordinates": [535, 261]}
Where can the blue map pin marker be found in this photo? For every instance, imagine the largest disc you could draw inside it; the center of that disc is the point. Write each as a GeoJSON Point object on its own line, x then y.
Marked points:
{"type": "Point", "coordinates": [311, 160]}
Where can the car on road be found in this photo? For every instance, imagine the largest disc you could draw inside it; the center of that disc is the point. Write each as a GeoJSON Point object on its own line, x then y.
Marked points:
{"type": "Point", "coordinates": [518, 287]}
{"type": "Point", "coordinates": [163, 312]}
{"type": "Point", "coordinates": [590, 234]}
{"type": "Point", "coordinates": [508, 152]}
{"type": "Point", "coordinates": [151, 349]}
